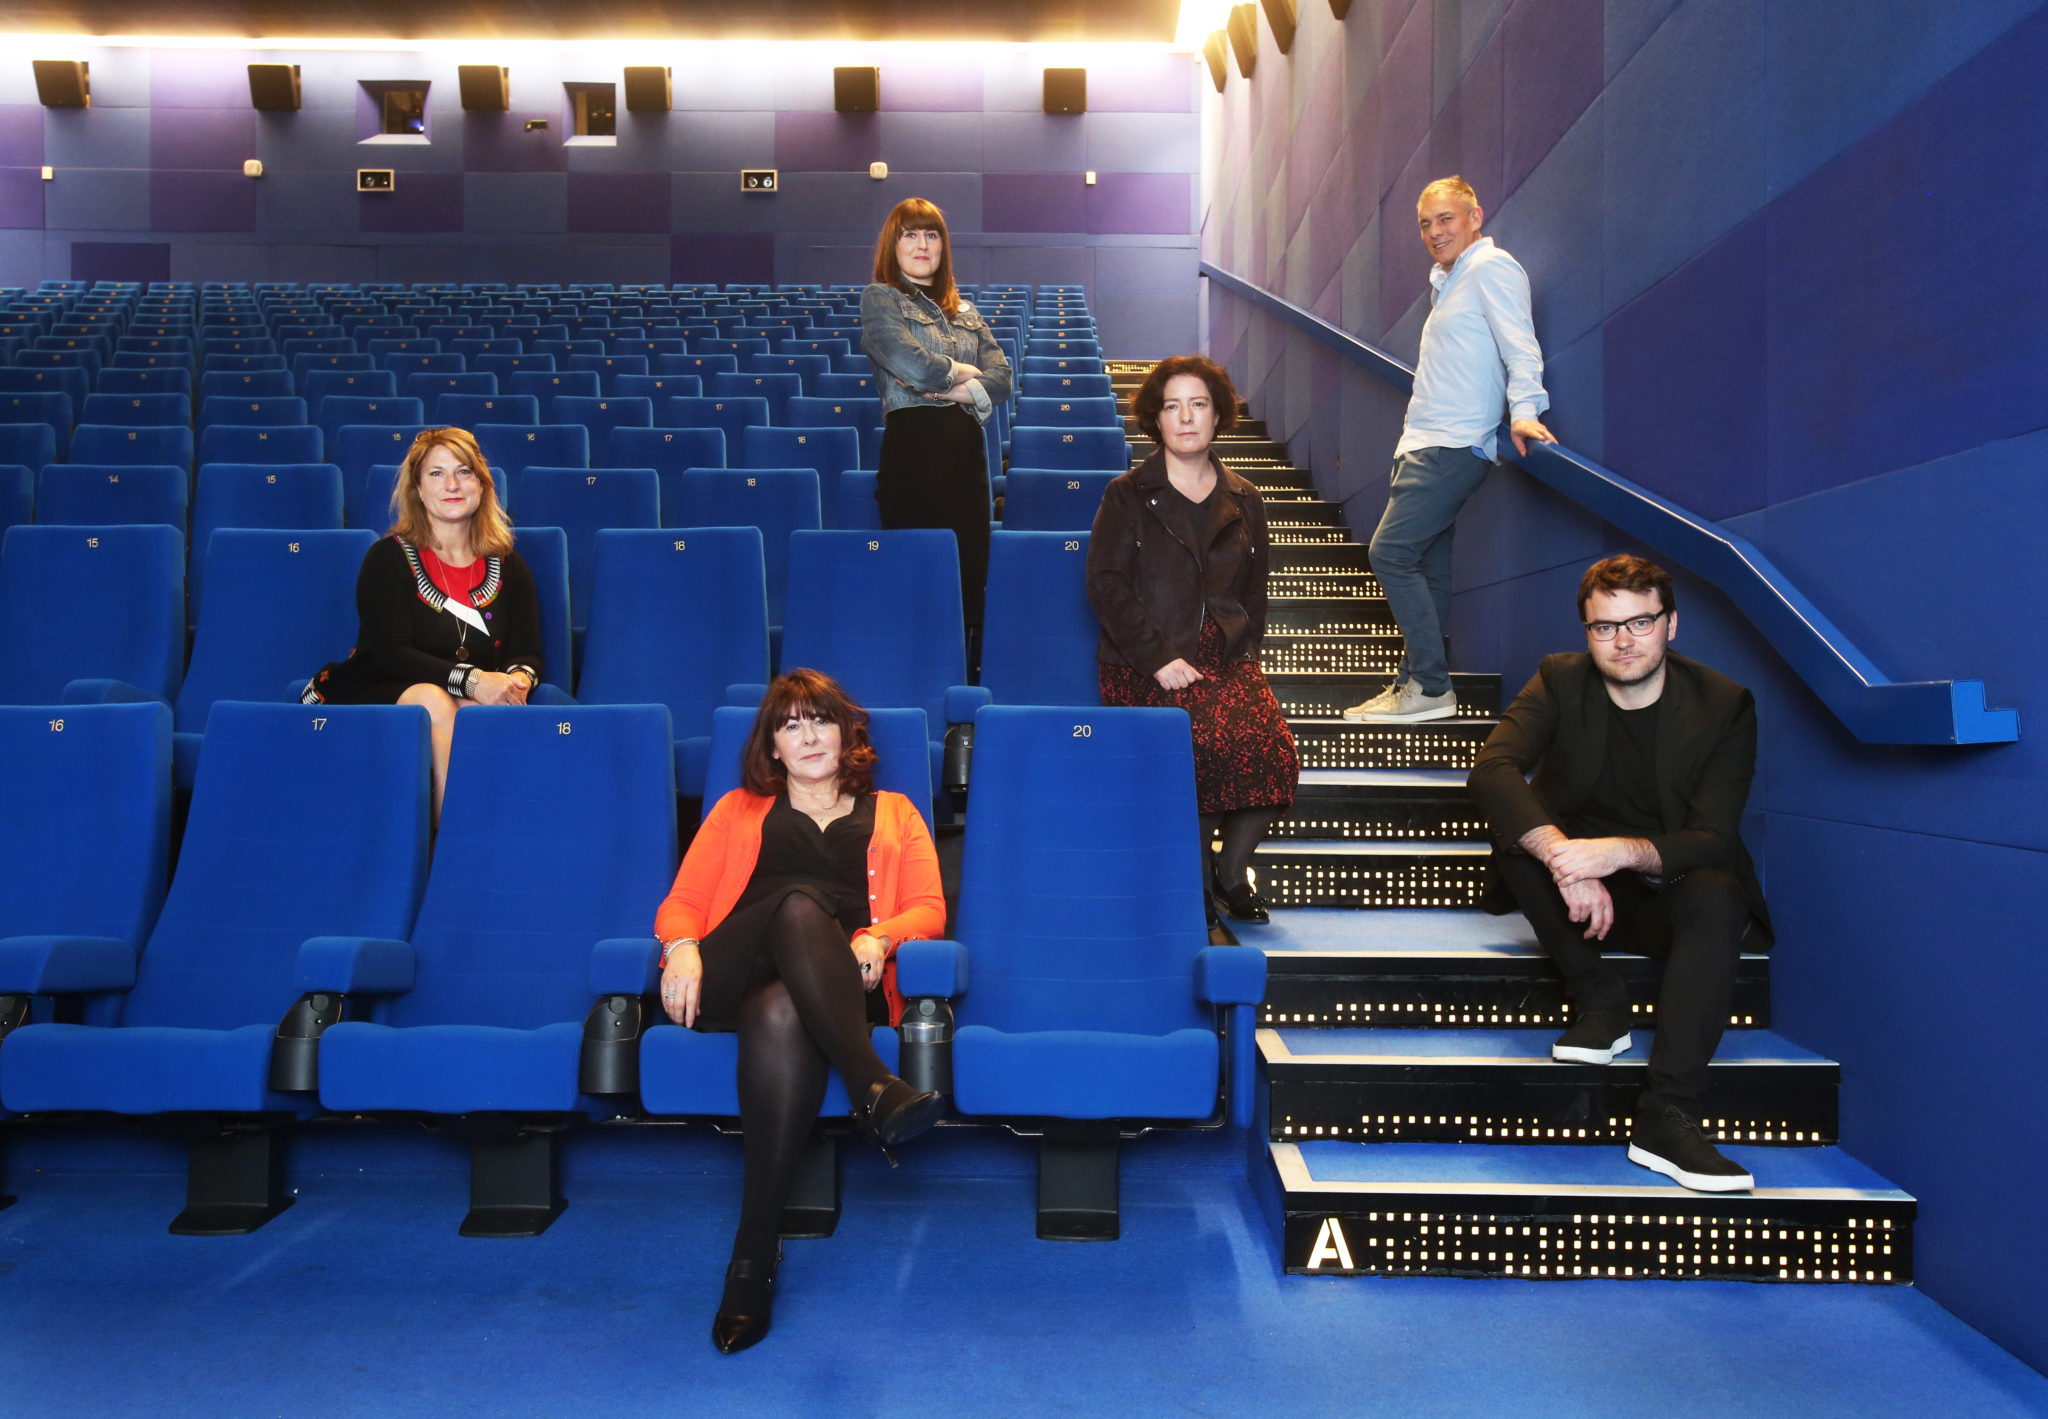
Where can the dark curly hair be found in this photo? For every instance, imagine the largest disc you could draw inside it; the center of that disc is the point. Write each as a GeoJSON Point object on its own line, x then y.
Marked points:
{"type": "Point", "coordinates": [807, 692]}
{"type": "Point", "coordinates": [1150, 399]}
{"type": "Point", "coordinates": [1626, 573]}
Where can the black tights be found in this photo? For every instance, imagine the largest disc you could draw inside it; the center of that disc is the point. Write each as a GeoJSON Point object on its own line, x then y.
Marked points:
{"type": "Point", "coordinates": [812, 1012]}
{"type": "Point", "coordinates": [1243, 830]}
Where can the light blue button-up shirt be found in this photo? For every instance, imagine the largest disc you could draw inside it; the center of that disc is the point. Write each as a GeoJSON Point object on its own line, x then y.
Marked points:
{"type": "Point", "coordinates": [1479, 353]}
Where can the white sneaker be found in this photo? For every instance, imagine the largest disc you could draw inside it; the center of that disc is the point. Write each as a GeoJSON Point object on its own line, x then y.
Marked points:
{"type": "Point", "coordinates": [1384, 700]}
{"type": "Point", "coordinates": [1409, 705]}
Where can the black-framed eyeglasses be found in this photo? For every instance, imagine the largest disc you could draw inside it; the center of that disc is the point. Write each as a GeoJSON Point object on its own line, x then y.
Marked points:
{"type": "Point", "coordinates": [1636, 626]}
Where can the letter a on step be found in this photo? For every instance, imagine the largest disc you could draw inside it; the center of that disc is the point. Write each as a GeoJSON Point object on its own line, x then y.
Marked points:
{"type": "Point", "coordinates": [1330, 1246]}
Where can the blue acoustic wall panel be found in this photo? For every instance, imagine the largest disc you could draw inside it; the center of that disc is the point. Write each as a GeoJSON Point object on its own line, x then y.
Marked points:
{"type": "Point", "coordinates": [1552, 72]}
{"type": "Point", "coordinates": [1033, 142]}
{"type": "Point", "coordinates": [933, 142]}
{"type": "Point", "coordinates": [1466, 135]}
{"type": "Point", "coordinates": [515, 202]}
{"type": "Point", "coordinates": [98, 200]}
{"type": "Point", "coordinates": [96, 137]}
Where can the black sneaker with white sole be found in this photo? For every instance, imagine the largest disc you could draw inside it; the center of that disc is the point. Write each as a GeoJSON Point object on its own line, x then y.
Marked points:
{"type": "Point", "coordinates": [1594, 1038]}
{"type": "Point", "coordinates": [1666, 1140]}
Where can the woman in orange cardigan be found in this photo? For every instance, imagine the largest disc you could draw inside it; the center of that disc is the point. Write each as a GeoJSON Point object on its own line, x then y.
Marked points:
{"type": "Point", "coordinates": [782, 925]}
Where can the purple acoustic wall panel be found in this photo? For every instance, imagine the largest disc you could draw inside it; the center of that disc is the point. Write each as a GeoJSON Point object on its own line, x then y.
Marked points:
{"type": "Point", "coordinates": [421, 202]}
{"type": "Point", "coordinates": [1160, 83]}
{"type": "Point", "coordinates": [120, 261]}
{"type": "Point", "coordinates": [1034, 202]}
{"type": "Point", "coordinates": [826, 142]}
{"type": "Point", "coordinates": [21, 135]}
{"type": "Point", "coordinates": [495, 203]}
{"type": "Point", "coordinates": [21, 198]}
{"type": "Point", "coordinates": [1148, 203]}
{"type": "Point", "coordinates": [204, 138]}
{"type": "Point", "coordinates": [931, 84]}
{"type": "Point", "coordinates": [499, 142]}
{"type": "Point", "coordinates": [618, 202]}
{"type": "Point", "coordinates": [1033, 142]}
{"type": "Point", "coordinates": [190, 200]}
{"type": "Point", "coordinates": [198, 78]}
{"type": "Point", "coordinates": [1551, 57]}
{"type": "Point", "coordinates": [721, 256]}
{"type": "Point", "coordinates": [1405, 94]}
{"type": "Point", "coordinates": [1466, 137]}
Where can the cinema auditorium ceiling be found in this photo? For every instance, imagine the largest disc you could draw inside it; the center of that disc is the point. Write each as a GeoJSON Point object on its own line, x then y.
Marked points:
{"type": "Point", "coordinates": [1011, 20]}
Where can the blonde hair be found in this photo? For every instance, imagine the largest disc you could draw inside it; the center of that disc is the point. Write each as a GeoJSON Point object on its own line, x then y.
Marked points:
{"type": "Point", "coordinates": [490, 533]}
{"type": "Point", "coordinates": [1452, 186]}
{"type": "Point", "coordinates": [914, 214]}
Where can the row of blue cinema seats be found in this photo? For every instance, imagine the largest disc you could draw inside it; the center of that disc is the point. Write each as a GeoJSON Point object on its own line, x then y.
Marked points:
{"type": "Point", "coordinates": [343, 970]}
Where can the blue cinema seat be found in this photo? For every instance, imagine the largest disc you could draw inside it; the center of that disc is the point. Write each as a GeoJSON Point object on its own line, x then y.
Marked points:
{"type": "Point", "coordinates": [74, 384]}
{"type": "Point", "coordinates": [282, 410]}
{"type": "Point", "coordinates": [1041, 447]}
{"type": "Point", "coordinates": [428, 387]}
{"type": "Point", "coordinates": [284, 604]}
{"type": "Point", "coordinates": [733, 415]}
{"type": "Point", "coordinates": [91, 614]}
{"type": "Point", "coordinates": [583, 501]}
{"type": "Point", "coordinates": [53, 409]}
{"type": "Point", "coordinates": [1094, 1002]}
{"type": "Point", "coordinates": [549, 385]}
{"type": "Point", "coordinates": [97, 495]}
{"type": "Point", "coordinates": [880, 613]}
{"type": "Point", "coordinates": [668, 452]}
{"type": "Point", "coordinates": [1039, 633]}
{"type": "Point", "coordinates": [239, 384]}
{"type": "Point", "coordinates": [779, 501]}
{"type": "Point", "coordinates": [577, 806]}
{"type": "Point", "coordinates": [855, 508]}
{"type": "Point", "coordinates": [112, 443]}
{"type": "Point", "coordinates": [156, 381]}
{"type": "Point", "coordinates": [511, 447]}
{"type": "Point", "coordinates": [17, 495]}
{"type": "Point", "coordinates": [776, 389]}
{"type": "Point", "coordinates": [339, 410]}
{"type": "Point", "coordinates": [1070, 412]}
{"type": "Point", "coordinates": [321, 384]}
{"type": "Point", "coordinates": [260, 443]}
{"type": "Point", "coordinates": [466, 411]}
{"type": "Point", "coordinates": [830, 451]}
{"type": "Point", "coordinates": [1064, 387]}
{"type": "Point", "coordinates": [654, 637]}
{"type": "Point", "coordinates": [136, 409]}
{"type": "Point", "coordinates": [357, 448]}
{"type": "Point", "coordinates": [601, 416]}
{"type": "Point", "coordinates": [334, 800]}
{"type": "Point", "coordinates": [296, 497]}
{"type": "Point", "coordinates": [1053, 499]}
{"type": "Point", "coordinates": [546, 553]}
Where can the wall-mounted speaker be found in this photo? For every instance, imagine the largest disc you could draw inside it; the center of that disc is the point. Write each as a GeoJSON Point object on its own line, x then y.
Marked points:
{"type": "Point", "coordinates": [1216, 50]}
{"type": "Point", "coordinates": [486, 88]}
{"type": "Point", "coordinates": [64, 83]}
{"type": "Point", "coordinates": [1243, 29]}
{"type": "Point", "coordinates": [649, 89]}
{"type": "Point", "coordinates": [1280, 20]}
{"type": "Point", "coordinates": [274, 88]}
{"type": "Point", "coordinates": [856, 89]}
{"type": "Point", "coordinates": [1066, 91]}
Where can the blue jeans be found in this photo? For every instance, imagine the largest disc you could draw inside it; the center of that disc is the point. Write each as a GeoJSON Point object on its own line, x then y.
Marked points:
{"type": "Point", "coordinates": [1411, 553]}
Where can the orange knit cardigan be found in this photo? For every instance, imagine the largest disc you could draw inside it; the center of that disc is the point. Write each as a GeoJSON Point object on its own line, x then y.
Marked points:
{"type": "Point", "coordinates": [905, 899]}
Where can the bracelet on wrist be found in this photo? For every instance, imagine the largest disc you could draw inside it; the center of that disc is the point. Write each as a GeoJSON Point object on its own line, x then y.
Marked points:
{"type": "Point", "coordinates": [668, 948]}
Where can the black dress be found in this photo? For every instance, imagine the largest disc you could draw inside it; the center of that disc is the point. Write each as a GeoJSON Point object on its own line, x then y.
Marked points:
{"type": "Point", "coordinates": [933, 472]}
{"type": "Point", "coordinates": [829, 865]}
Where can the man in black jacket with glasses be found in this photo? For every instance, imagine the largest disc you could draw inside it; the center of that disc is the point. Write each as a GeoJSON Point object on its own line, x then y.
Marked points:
{"type": "Point", "coordinates": [1627, 839]}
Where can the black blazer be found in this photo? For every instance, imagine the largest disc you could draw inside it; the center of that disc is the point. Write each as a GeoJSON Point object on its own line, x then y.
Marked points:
{"type": "Point", "coordinates": [1706, 757]}
{"type": "Point", "coordinates": [1149, 588]}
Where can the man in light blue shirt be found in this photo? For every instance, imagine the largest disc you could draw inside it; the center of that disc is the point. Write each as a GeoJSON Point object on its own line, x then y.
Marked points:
{"type": "Point", "coordinates": [1479, 358]}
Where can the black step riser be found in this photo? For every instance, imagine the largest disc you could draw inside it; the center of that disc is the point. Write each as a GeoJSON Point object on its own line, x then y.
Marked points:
{"type": "Point", "coordinates": [1439, 744]}
{"type": "Point", "coordinates": [1562, 1238]}
{"type": "Point", "coordinates": [1785, 1105]}
{"type": "Point", "coordinates": [1320, 696]}
{"type": "Point", "coordinates": [1380, 815]}
{"type": "Point", "coordinates": [1290, 877]}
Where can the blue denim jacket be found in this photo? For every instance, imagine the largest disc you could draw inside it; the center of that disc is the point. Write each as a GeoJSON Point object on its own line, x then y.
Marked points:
{"type": "Point", "coordinates": [914, 346]}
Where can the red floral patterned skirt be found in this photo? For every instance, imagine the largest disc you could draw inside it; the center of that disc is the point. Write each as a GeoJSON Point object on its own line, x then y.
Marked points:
{"type": "Point", "coordinates": [1244, 751]}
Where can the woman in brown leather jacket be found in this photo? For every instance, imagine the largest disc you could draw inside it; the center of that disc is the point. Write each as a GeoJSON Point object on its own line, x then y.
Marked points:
{"type": "Point", "coordinates": [1177, 576]}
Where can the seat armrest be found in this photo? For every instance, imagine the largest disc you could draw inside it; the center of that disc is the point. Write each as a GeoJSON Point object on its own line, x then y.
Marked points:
{"type": "Point", "coordinates": [351, 965]}
{"type": "Point", "coordinates": [1230, 975]}
{"type": "Point", "coordinates": [625, 965]}
{"type": "Point", "coordinates": [63, 965]}
{"type": "Point", "coordinates": [105, 692]}
{"type": "Point", "coordinates": [931, 968]}
{"type": "Point", "coordinates": [746, 696]}
{"type": "Point", "coordinates": [963, 700]}
{"type": "Point", "coordinates": [546, 694]}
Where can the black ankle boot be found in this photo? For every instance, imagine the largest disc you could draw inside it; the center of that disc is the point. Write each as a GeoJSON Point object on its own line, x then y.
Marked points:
{"type": "Point", "coordinates": [894, 1112]}
{"type": "Point", "coordinates": [743, 1311]}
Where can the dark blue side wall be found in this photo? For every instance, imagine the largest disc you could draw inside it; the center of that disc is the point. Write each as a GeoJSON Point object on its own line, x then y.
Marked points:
{"type": "Point", "coordinates": [1782, 257]}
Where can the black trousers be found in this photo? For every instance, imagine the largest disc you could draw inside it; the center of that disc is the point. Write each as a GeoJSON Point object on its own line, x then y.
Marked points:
{"type": "Point", "coordinates": [934, 473]}
{"type": "Point", "coordinates": [1694, 925]}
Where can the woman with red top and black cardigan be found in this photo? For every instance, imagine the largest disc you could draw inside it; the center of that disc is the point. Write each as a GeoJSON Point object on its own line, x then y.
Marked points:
{"type": "Point", "coordinates": [782, 925]}
{"type": "Point", "coordinates": [448, 612]}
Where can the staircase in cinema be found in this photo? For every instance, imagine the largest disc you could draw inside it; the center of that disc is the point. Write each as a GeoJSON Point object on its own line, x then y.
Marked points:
{"type": "Point", "coordinates": [1411, 1121]}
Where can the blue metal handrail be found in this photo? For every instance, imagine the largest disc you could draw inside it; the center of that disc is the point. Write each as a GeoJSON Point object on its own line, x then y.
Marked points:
{"type": "Point", "coordinates": [1875, 709]}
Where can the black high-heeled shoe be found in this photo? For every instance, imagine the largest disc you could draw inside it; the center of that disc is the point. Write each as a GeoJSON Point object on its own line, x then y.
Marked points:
{"type": "Point", "coordinates": [744, 1310]}
{"type": "Point", "coordinates": [894, 1112]}
{"type": "Point", "coordinates": [1245, 904]}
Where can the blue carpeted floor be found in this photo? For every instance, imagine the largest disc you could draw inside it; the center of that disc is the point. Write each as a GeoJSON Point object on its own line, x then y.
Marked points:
{"type": "Point", "coordinates": [934, 1297]}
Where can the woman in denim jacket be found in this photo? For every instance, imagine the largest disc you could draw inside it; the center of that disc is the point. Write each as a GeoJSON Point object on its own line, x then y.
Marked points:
{"type": "Point", "coordinates": [940, 374]}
